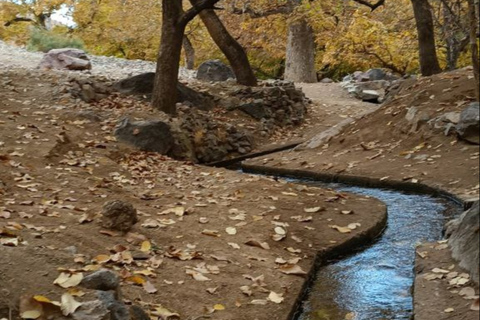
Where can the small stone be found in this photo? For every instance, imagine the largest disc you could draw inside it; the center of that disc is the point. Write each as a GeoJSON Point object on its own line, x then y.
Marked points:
{"type": "Point", "coordinates": [137, 313]}
{"type": "Point", "coordinates": [118, 215]}
{"type": "Point", "coordinates": [118, 310]}
{"type": "Point", "coordinates": [104, 280]}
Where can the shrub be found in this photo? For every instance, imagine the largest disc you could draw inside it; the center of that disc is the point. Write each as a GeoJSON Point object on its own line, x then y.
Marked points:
{"type": "Point", "coordinates": [44, 41]}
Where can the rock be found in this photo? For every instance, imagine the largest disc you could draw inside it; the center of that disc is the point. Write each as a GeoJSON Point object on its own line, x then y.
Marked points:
{"type": "Point", "coordinates": [66, 59]}
{"type": "Point", "coordinates": [103, 280]}
{"type": "Point", "coordinates": [118, 310]}
{"type": "Point", "coordinates": [153, 136]}
{"type": "Point", "coordinates": [118, 215]}
{"type": "Point", "coordinates": [464, 233]}
{"type": "Point", "coordinates": [143, 84]}
{"type": "Point", "coordinates": [369, 96]}
{"type": "Point", "coordinates": [468, 127]}
{"type": "Point", "coordinates": [214, 70]}
{"type": "Point", "coordinates": [137, 313]}
{"type": "Point", "coordinates": [92, 310]}
{"type": "Point", "coordinates": [255, 109]}
{"type": "Point", "coordinates": [326, 80]}
{"type": "Point", "coordinates": [376, 74]}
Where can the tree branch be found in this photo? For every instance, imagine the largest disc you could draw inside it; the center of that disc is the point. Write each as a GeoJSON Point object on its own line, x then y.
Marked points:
{"type": "Point", "coordinates": [285, 9]}
{"type": "Point", "coordinates": [18, 19]}
{"type": "Point", "coordinates": [197, 7]}
{"type": "Point", "coordinates": [372, 6]}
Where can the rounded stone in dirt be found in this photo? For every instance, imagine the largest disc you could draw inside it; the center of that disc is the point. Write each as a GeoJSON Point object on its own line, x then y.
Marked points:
{"type": "Point", "coordinates": [66, 59]}
{"type": "Point", "coordinates": [104, 280]}
{"type": "Point", "coordinates": [118, 215]}
{"type": "Point", "coordinates": [214, 70]}
{"type": "Point", "coordinates": [153, 136]}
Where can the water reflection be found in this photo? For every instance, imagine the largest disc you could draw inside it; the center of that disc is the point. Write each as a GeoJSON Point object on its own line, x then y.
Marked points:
{"type": "Point", "coordinates": [375, 284]}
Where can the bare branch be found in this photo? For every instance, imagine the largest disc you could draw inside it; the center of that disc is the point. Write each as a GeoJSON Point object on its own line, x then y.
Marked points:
{"type": "Point", "coordinates": [18, 19]}
{"type": "Point", "coordinates": [285, 9]}
{"type": "Point", "coordinates": [372, 6]}
{"type": "Point", "coordinates": [198, 6]}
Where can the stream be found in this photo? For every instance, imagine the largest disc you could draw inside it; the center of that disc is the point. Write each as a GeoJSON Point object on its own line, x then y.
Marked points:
{"type": "Point", "coordinates": [376, 282]}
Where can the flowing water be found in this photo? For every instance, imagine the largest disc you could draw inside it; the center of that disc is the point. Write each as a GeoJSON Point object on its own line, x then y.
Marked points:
{"type": "Point", "coordinates": [376, 283]}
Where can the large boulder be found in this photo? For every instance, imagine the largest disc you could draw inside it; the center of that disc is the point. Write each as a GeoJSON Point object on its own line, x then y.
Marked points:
{"type": "Point", "coordinates": [464, 233]}
{"type": "Point", "coordinates": [376, 74]}
{"type": "Point", "coordinates": [214, 70]}
{"type": "Point", "coordinates": [65, 59]}
{"type": "Point", "coordinates": [153, 136]}
{"type": "Point", "coordinates": [468, 127]}
{"type": "Point", "coordinates": [143, 84]}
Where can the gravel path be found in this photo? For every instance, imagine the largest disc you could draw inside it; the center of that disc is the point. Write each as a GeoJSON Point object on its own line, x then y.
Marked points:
{"type": "Point", "coordinates": [111, 67]}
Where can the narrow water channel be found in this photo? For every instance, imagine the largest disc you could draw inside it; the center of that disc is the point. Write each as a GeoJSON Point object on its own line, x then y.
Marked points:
{"type": "Point", "coordinates": [376, 283]}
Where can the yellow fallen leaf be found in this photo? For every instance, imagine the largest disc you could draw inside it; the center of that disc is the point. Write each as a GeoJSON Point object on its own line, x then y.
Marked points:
{"type": "Point", "coordinates": [136, 280]}
{"type": "Point", "coordinates": [146, 246]}
{"type": "Point", "coordinates": [341, 229]}
{"type": "Point", "coordinates": [292, 270]}
{"type": "Point", "coordinates": [219, 307]}
{"type": "Point", "coordinates": [165, 314]}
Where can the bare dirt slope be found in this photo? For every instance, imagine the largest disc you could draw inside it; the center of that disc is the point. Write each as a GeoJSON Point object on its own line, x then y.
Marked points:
{"type": "Point", "coordinates": [386, 145]}
{"type": "Point", "coordinates": [59, 163]}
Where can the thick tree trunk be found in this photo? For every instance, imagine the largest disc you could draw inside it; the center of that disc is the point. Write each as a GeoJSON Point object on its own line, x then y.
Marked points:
{"type": "Point", "coordinates": [189, 53]}
{"type": "Point", "coordinates": [473, 17]}
{"type": "Point", "coordinates": [168, 61]}
{"type": "Point", "coordinates": [300, 61]}
{"type": "Point", "coordinates": [234, 52]}
{"type": "Point", "coordinates": [426, 38]}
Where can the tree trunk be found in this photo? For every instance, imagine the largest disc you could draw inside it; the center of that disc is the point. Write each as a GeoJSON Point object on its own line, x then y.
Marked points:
{"type": "Point", "coordinates": [426, 38]}
{"type": "Point", "coordinates": [168, 61]}
{"type": "Point", "coordinates": [189, 53]}
{"type": "Point", "coordinates": [300, 61]}
{"type": "Point", "coordinates": [234, 52]}
{"type": "Point", "coordinates": [473, 44]}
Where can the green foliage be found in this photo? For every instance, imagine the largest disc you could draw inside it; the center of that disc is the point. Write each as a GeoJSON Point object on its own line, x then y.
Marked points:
{"type": "Point", "coordinates": [44, 41]}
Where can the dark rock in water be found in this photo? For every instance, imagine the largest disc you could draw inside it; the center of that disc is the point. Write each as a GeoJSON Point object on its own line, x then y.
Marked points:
{"type": "Point", "coordinates": [65, 59]}
{"type": "Point", "coordinates": [103, 280]}
{"type": "Point", "coordinates": [214, 70]}
{"type": "Point", "coordinates": [468, 127]}
{"type": "Point", "coordinates": [464, 233]}
{"type": "Point", "coordinates": [118, 215]}
{"type": "Point", "coordinates": [154, 136]}
{"type": "Point", "coordinates": [143, 84]}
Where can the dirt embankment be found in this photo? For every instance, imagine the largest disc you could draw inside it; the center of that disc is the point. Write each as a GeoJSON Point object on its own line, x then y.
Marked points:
{"type": "Point", "coordinates": [399, 142]}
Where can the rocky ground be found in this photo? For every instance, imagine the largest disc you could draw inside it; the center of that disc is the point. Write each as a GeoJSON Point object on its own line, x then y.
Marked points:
{"type": "Point", "coordinates": [209, 243]}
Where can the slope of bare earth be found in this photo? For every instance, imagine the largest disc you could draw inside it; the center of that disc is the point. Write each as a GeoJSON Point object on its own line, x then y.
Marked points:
{"type": "Point", "coordinates": [59, 164]}
{"type": "Point", "coordinates": [385, 145]}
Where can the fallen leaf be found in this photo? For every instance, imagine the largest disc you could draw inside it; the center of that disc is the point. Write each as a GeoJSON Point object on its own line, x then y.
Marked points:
{"type": "Point", "coordinates": [258, 244]}
{"type": "Point", "coordinates": [68, 304]}
{"type": "Point", "coordinates": [149, 287]}
{"type": "Point", "coordinates": [211, 233]}
{"type": "Point", "coordinates": [275, 297]}
{"type": "Point", "coordinates": [66, 280]}
{"type": "Point", "coordinates": [292, 270]}
{"type": "Point", "coordinates": [231, 231]}
{"type": "Point", "coordinates": [219, 307]}
{"type": "Point", "coordinates": [165, 314]}
{"type": "Point", "coordinates": [146, 246]}
{"type": "Point", "coordinates": [314, 210]}
{"type": "Point", "coordinates": [341, 229]}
